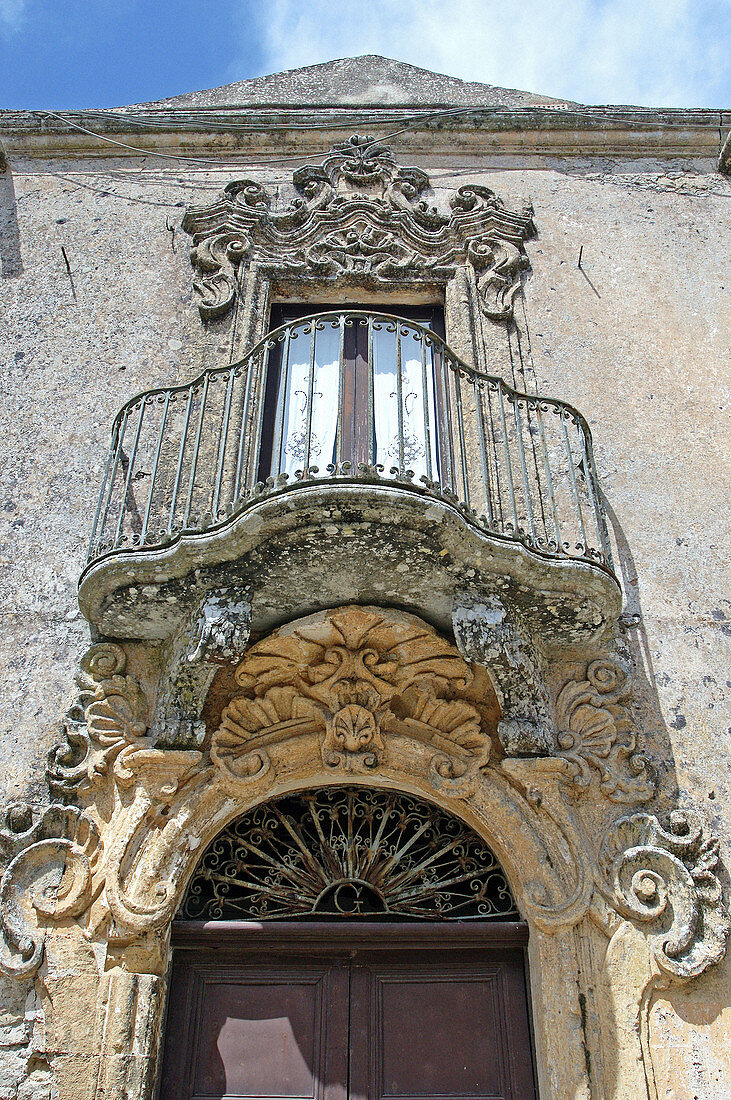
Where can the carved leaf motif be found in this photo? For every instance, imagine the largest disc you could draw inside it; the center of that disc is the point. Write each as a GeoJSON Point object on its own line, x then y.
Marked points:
{"type": "Point", "coordinates": [596, 735]}
{"type": "Point", "coordinates": [664, 878]}
{"type": "Point", "coordinates": [110, 712]}
{"type": "Point", "coordinates": [355, 676]}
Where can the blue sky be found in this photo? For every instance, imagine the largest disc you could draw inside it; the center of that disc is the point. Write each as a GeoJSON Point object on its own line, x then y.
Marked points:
{"type": "Point", "coordinates": [105, 53]}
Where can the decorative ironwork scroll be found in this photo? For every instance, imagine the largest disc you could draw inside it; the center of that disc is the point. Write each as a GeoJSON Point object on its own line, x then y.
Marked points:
{"type": "Point", "coordinates": [348, 852]}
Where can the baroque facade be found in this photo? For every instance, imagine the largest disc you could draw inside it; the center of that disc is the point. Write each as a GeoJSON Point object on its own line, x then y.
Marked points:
{"type": "Point", "coordinates": [375, 624]}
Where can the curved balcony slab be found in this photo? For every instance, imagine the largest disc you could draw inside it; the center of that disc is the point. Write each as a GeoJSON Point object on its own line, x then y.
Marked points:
{"type": "Point", "coordinates": [328, 543]}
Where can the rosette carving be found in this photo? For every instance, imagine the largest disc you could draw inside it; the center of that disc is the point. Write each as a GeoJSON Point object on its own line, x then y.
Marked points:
{"type": "Point", "coordinates": [50, 863]}
{"type": "Point", "coordinates": [109, 713]}
{"type": "Point", "coordinates": [358, 212]}
{"type": "Point", "coordinates": [664, 879]}
{"type": "Point", "coordinates": [357, 677]}
{"type": "Point", "coordinates": [595, 735]}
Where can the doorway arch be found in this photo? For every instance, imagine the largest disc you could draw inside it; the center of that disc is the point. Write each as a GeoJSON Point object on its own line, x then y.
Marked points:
{"type": "Point", "coordinates": [348, 940]}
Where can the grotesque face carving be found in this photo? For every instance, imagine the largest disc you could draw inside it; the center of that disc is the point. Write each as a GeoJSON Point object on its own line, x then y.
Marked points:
{"type": "Point", "coordinates": [353, 738]}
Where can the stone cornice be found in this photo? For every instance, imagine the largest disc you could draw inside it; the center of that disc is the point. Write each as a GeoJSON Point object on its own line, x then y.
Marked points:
{"type": "Point", "coordinates": [275, 132]}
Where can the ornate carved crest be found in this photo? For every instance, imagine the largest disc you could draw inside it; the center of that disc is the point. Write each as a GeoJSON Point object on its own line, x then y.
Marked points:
{"type": "Point", "coordinates": [358, 214]}
{"type": "Point", "coordinates": [356, 676]}
{"type": "Point", "coordinates": [595, 734]}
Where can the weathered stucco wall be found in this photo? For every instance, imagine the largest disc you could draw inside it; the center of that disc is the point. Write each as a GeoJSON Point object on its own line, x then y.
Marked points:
{"type": "Point", "coordinates": [637, 338]}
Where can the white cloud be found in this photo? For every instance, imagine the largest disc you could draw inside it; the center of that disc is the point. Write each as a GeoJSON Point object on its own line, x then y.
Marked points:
{"type": "Point", "coordinates": [651, 52]}
{"type": "Point", "coordinates": [11, 14]}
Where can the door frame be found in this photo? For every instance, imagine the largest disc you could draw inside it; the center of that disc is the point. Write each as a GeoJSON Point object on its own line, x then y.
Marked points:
{"type": "Point", "coordinates": [323, 936]}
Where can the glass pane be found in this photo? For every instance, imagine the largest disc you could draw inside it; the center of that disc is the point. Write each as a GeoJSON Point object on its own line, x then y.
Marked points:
{"type": "Point", "coordinates": [410, 444]}
{"type": "Point", "coordinates": [299, 423]}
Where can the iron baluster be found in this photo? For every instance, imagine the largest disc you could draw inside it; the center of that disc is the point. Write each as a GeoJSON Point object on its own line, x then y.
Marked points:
{"type": "Point", "coordinates": [155, 464]}
{"type": "Point", "coordinates": [279, 441]}
{"type": "Point", "coordinates": [222, 441]}
{"type": "Point", "coordinates": [549, 479]}
{"type": "Point", "coordinates": [181, 456]}
{"type": "Point", "coordinates": [572, 475]}
{"type": "Point", "coordinates": [196, 451]}
{"type": "Point", "coordinates": [256, 455]}
{"type": "Point", "coordinates": [115, 449]}
{"type": "Point", "coordinates": [310, 395]}
{"type": "Point", "coordinates": [130, 468]}
{"type": "Point", "coordinates": [508, 465]}
{"type": "Point", "coordinates": [400, 403]}
{"type": "Point", "coordinates": [446, 475]}
{"type": "Point", "coordinates": [340, 426]}
{"type": "Point", "coordinates": [524, 467]}
{"type": "Point", "coordinates": [496, 462]}
{"type": "Point", "coordinates": [371, 397]}
{"type": "Point", "coordinates": [454, 370]}
{"type": "Point", "coordinates": [425, 404]}
{"type": "Point", "coordinates": [484, 452]}
{"type": "Point", "coordinates": [243, 435]}
{"type": "Point", "coordinates": [594, 495]}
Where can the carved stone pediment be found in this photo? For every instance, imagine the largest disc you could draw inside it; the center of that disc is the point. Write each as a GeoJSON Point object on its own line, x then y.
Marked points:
{"type": "Point", "coordinates": [359, 213]}
{"type": "Point", "coordinates": [358, 677]}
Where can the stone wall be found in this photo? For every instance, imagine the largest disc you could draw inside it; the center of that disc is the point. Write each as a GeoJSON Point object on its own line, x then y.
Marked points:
{"type": "Point", "coordinates": [97, 301]}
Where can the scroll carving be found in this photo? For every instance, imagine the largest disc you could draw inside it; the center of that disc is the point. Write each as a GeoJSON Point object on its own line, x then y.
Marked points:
{"type": "Point", "coordinates": [595, 735]}
{"type": "Point", "coordinates": [357, 677]}
{"type": "Point", "coordinates": [50, 863]}
{"type": "Point", "coordinates": [359, 213]}
{"type": "Point", "coordinates": [665, 880]}
{"type": "Point", "coordinates": [109, 713]}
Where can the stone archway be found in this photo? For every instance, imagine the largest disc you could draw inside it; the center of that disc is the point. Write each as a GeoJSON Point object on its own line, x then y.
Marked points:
{"type": "Point", "coordinates": [616, 903]}
{"type": "Point", "coordinates": [329, 933]}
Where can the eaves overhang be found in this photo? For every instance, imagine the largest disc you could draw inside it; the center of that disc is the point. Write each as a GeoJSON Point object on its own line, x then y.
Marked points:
{"type": "Point", "coordinates": [436, 132]}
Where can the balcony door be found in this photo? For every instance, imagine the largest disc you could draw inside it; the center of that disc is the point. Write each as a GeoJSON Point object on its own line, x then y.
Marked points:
{"type": "Point", "coordinates": [354, 387]}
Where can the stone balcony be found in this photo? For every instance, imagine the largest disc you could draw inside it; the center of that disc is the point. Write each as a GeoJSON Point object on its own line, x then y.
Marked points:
{"type": "Point", "coordinates": [349, 457]}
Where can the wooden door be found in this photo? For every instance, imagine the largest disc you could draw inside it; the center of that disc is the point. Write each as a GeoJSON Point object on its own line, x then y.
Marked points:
{"type": "Point", "coordinates": [439, 1024]}
{"type": "Point", "coordinates": [249, 1028]}
{"type": "Point", "coordinates": [334, 1012]}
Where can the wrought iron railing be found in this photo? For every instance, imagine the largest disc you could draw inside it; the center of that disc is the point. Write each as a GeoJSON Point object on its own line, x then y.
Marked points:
{"type": "Point", "coordinates": [353, 397]}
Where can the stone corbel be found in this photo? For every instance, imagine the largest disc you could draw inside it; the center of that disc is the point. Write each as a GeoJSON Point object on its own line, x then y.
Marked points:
{"type": "Point", "coordinates": [215, 633]}
{"type": "Point", "coordinates": [490, 635]}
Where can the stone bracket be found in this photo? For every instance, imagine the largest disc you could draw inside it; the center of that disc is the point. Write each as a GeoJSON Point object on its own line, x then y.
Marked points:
{"type": "Point", "coordinates": [491, 635]}
{"type": "Point", "coordinates": [215, 633]}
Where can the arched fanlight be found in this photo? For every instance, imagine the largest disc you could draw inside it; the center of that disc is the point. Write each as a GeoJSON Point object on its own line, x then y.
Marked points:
{"type": "Point", "coordinates": [348, 852]}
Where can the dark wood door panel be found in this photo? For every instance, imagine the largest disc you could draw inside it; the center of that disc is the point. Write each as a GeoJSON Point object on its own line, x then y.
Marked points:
{"type": "Point", "coordinates": [454, 1026]}
{"type": "Point", "coordinates": [399, 1014]}
{"type": "Point", "coordinates": [257, 1032]}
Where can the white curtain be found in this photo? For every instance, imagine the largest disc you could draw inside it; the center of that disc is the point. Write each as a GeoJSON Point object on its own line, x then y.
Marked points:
{"type": "Point", "coordinates": [324, 401]}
